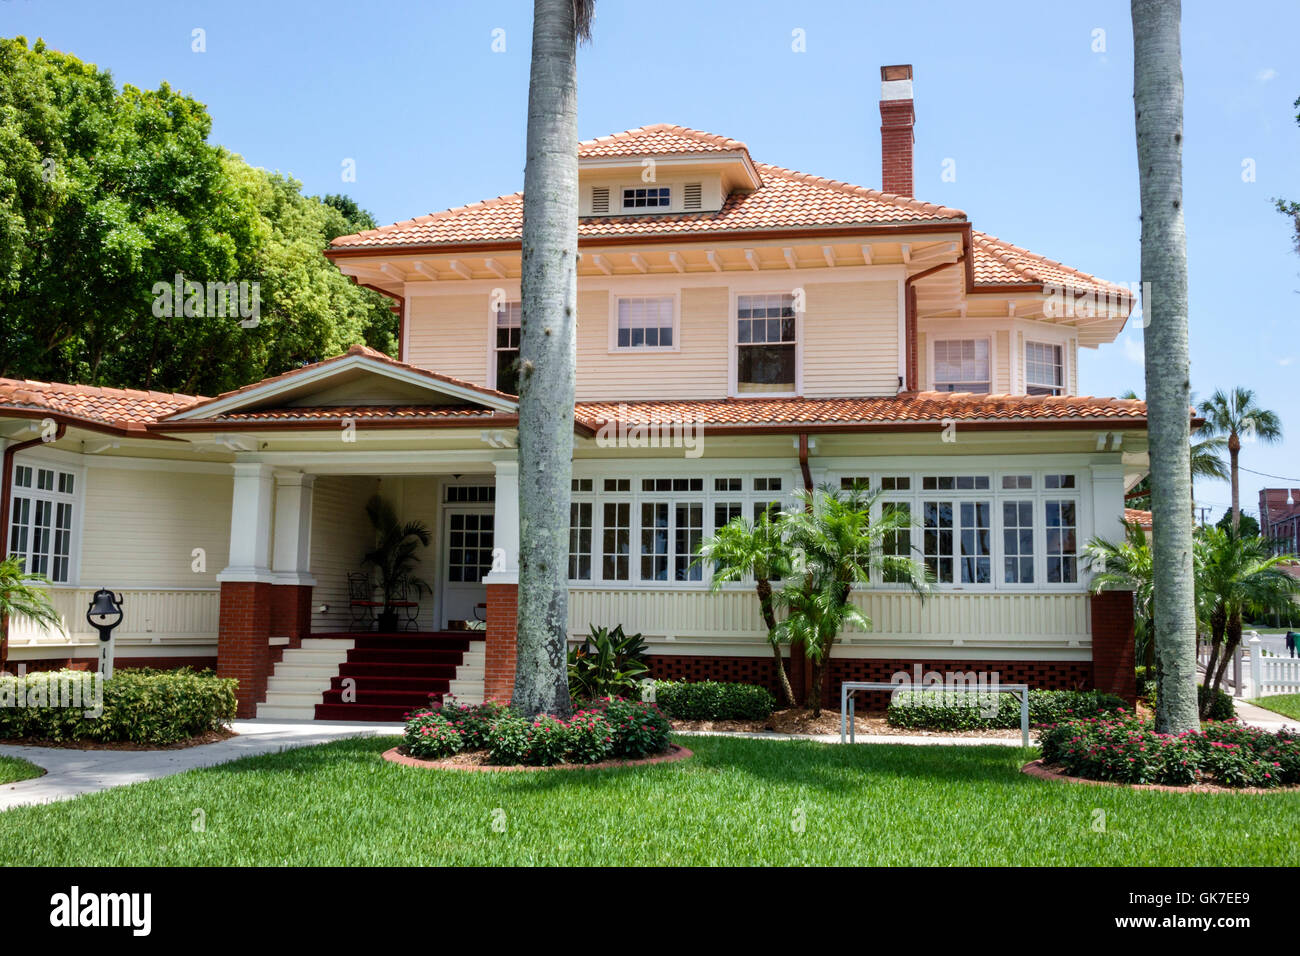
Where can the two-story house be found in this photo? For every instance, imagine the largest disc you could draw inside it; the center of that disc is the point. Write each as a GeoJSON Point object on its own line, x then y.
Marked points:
{"type": "Point", "coordinates": [744, 330]}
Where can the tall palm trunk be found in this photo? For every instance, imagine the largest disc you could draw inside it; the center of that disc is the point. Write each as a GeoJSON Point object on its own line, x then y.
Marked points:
{"type": "Point", "coordinates": [1158, 109]}
{"type": "Point", "coordinates": [1234, 456]}
{"type": "Point", "coordinates": [547, 354]}
{"type": "Point", "coordinates": [764, 588]}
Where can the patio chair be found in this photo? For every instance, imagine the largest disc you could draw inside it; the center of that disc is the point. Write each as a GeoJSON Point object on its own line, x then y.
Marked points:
{"type": "Point", "coordinates": [361, 599]}
{"type": "Point", "coordinates": [410, 606]}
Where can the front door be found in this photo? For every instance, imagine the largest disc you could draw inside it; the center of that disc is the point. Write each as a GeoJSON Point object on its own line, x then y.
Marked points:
{"type": "Point", "coordinates": [467, 540]}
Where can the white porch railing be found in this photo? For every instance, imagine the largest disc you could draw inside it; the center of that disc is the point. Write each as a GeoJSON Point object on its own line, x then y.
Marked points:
{"type": "Point", "coordinates": [1272, 675]}
{"type": "Point", "coordinates": [151, 616]}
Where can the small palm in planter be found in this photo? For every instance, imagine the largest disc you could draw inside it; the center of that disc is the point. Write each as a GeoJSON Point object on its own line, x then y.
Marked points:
{"type": "Point", "coordinates": [25, 595]}
{"type": "Point", "coordinates": [394, 556]}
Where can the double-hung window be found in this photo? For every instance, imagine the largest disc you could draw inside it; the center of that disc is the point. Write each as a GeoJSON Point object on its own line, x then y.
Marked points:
{"type": "Point", "coordinates": [957, 528]}
{"type": "Point", "coordinates": [645, 322]}
{"type": "Point", "coordinates": [506, 347]}
{"type": "Point", "coordinates": [672, 528]}
{"type": "Point", "coordinates": [962, 365]}
{"type": "Point", "coordinates": [766, 343]}
{"type": "Point", "coordinates": [41, 520]}
{"type": "Point", "coordinates": [1044, 369]}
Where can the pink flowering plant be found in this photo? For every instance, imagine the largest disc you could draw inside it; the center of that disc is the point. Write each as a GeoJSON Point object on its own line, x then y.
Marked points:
{"type": "Point", "coordinates": [474, 721]}
{"type": "Point", "coordinates": [591, 738]}
{"type": "Point", "coordinates": [431, 735]}
{"type": "Point", "coordinates": [1125, 749]}
{"type": "Point", "coordinates": [639, 728]}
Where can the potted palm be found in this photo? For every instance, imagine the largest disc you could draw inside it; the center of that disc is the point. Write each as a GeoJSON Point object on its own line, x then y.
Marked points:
{"type": "Point", "coordinates": [394, 557]}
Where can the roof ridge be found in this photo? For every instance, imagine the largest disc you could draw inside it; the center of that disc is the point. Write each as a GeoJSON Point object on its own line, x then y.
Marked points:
{"type": "Point", "coordinates": [716, 139]}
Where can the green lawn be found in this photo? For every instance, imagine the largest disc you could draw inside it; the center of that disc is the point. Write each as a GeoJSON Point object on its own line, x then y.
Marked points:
{"type": "Point", "coordinates": [13, 769]}
{"type": "Point", "coordinates": [735, 802]}
{"type": "Point", "coordinates": [1288, 705]}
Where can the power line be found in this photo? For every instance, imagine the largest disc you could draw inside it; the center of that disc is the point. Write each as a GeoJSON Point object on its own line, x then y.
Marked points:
{"type": "Point", "coordinates": [1265, 475]}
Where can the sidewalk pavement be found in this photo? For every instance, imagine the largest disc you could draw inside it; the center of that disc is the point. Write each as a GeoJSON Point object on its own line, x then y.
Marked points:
{"type": "Point", "coordinates": [1256, 716]}
{"type": "Point", "coordinates": [74, 772]}
{"type": "Point", "coordinates": [871, 738]}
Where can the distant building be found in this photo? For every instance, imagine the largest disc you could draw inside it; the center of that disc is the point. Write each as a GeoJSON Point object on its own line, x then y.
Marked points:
{"type": "Point", "coordinates": [1279, 517]}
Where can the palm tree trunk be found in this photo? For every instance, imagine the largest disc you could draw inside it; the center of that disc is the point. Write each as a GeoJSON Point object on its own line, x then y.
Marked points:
{"type": "Point", "coordinates": [764, 588]}
{"type": "Point", "coordinates": [1232, 640]}
{"type": "Point", "coordinates": [547, 355]}
{"type": "Point", "coordinates": [1158, 109]}
{"type": "Point", "coordinates": [1234, 455]}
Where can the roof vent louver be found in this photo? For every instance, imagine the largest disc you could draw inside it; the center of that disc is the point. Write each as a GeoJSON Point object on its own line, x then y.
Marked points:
{"type": "Point", "coordinates": [600, 201]}
{"type": "Point", "coordinates": [692, 196]}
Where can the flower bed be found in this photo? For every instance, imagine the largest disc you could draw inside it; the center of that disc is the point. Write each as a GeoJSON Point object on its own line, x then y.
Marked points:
{"type": "Point", "coordinates": [1123, 749]}
{"type": "Point", "coordinates": [611, 728]}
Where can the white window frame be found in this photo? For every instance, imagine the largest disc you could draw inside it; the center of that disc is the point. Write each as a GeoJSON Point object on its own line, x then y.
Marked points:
{"type": "Point", "coordinates": [1050, 389]}
{"type": "Point", "coordinates": [55, 498]}
{"type": "Point", "coordinates": [733, 344]}
{"type": "Point", "coordinates": [493, 317]}
{"type": "Point", "coordinates": [614, 300]}
{"type": "Point", "coordinates": [931, 348]}
{"type": "Point", "coordinates": [619, 207]}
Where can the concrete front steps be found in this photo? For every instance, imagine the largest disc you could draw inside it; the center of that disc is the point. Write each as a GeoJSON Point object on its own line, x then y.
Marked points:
{"type": "Point", "coordinates": [300, 678]}
{"type": "Point", "coordinates": [368, 676]}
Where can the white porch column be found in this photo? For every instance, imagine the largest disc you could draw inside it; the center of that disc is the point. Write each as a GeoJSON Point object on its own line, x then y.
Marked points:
{"type": "Point", "coordinates": [250, 524]}
{"type": "Point", "coordinates": [1108, 501]}
{"type": "Point", "coordinates": [291, 557]}
{"type": "Point", "coordinates": [505, 557]}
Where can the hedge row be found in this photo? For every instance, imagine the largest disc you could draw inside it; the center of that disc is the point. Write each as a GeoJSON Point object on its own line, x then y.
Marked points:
{"type": "Point", "coordinates": [942, 709]}
{"type": "Point", "coordinates": [711, 700]}
{"type": "Point", "coordinates": [135, 706]}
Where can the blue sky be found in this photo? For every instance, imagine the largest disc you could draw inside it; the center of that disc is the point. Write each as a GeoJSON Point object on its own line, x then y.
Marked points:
{"type": "Point", "coordinates": [1037, 118]}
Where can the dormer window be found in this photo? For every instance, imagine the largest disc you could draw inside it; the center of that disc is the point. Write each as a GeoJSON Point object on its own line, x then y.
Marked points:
{"type": "Point", "coordinates": [646, 197]}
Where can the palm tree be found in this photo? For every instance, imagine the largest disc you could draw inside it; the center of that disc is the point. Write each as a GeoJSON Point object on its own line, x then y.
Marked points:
{"type": "Point", "coordinates": [1158, 110]}
{"type": "Point", "coordinates": [1233, 574]}
{"type": "Point", "coordinates": [394, 555]}
{"type": "Point", "coordinates": [834, 539]}
{"type": "Point", "coordinates": [25, 595]}
{"type": "Point", "coordinates": [1127, 566]}
{"type": "Point", "coordinates": [1234, 416]}
{"type": "Point", "coordinates": [740, 549]}
{"type": "Point", "coordinates": [547, 355]}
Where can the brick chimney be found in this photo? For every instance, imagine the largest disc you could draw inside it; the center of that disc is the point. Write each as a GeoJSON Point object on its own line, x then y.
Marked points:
{"type": "Point", "coordinates": [897, 120]}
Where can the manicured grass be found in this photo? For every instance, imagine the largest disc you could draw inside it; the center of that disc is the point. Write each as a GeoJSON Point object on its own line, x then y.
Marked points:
{"type": "Point", "coordinates": [13, 769]}
{"type": "Point", "coordinates": [735, 802]}
{"type": "Point", "coordinates": [1288, 705]}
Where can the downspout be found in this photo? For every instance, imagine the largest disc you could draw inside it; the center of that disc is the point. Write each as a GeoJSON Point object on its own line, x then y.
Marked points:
{"type": "Point", "coordinates": [6, 493]}
{"type": "Point", "coordinates": [803, 464]}
{"type": "Point", "coordinates": [912, 364]}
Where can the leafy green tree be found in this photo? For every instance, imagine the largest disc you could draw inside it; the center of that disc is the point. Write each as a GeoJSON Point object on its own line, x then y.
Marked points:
{"type": "Point", "coordinates": [1235, 573]}
{"type": "Point", "coordinates": [106, 193]}
{"type": "Point", "coordinates": [1126, 565]}
{"type": "Point", "coordinates": [833, 541]}
{"type": "Point", "coordinates": [25, 595]}
{"type": "Point", "coordinates": [743, 548]}
{"type": "Point", "coordinates": [1249, 527]}
{"type": "Point", "coordinates": [1234, 415]}
{"type": "Point", "coordinates": [1290, 208]}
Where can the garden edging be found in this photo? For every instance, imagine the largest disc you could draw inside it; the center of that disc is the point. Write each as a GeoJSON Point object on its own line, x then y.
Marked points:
{"type": "Point", "coordinates": [395, 755]}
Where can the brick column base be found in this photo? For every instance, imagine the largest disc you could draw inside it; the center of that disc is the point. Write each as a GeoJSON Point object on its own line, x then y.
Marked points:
{"type": "Point", "coordinates": [499, 668]}
{"type": "Point", "coordinates": [1113, 654]}
{"type": "Point", "coordinates": [291, 612]}
{"type": "Point", "coordinates": [243, 651]}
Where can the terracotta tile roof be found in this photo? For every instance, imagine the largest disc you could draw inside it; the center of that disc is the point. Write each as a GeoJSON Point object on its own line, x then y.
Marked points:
{"type": "Point", "coordinates": [356, 350]}
{"type": "Point", "coordinates": [922, 408]}
{"type": "Point", "coordinates": [1136, 516]}
{"type": "Point", "coordinates": [1000, 263]}
{"type": "Point", "coordinates": [661, 139]}
{"type": "Point", "coordinates": [117, 408]}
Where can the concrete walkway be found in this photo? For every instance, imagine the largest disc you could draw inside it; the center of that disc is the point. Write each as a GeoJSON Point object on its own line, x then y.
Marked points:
{"type": "Point", "coordinates": [933, 741]}
{"type": "Point", "coordinates": [1264, 719]}
{"type": "Point", "coordinates": [74, 772]}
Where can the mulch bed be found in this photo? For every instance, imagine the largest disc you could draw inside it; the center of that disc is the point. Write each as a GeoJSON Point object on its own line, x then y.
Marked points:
{"type": "Point", "coordinates": [1042, 771]}
{"type": "Point", "coordinates": [477, 760]}
{"type": "Point", "coordinates": [211, 737]}
{"type": "Point", "coordinates": [801, 721]}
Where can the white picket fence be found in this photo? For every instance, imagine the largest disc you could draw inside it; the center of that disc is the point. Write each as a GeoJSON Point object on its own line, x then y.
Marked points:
{"type": "Point", "coordinates": [1273, 675]}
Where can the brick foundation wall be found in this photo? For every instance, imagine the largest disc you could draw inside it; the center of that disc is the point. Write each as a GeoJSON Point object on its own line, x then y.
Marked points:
{"type": "Point", "coordinates": [290, 616]}
{"type": "Point", "coordinates": [500, 647]}
{"type": "Point", "coordinates": [731, 670]}
{"type": "Point", "coordinates": [243, 651]}
{"type": "Point", "coordinates": [1113, 652]}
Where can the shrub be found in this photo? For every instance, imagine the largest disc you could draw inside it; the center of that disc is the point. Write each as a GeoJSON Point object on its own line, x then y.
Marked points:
{"type": "Point", "coordinates": [430, 734]}
{"type": "Point", "coordinates": [710, 700]}
{"type": "Point", "coordinates": [508, 741]}
{"type": "Point", "coordinates": [1146, 679]}
{"type": "Point", "coordinates": [941, 709]}
{"type": "Point", "coordinates": [639, 729]}
{"type": "Point", "coordinates": [591, 739]}
{"type": "Point", "coordinates": [1128, 750]}
{"type": "Point", "coordinates": [608, 664]}
{"type": "Point", "coordinates": [1221, 709]}
{"type": "Point", "coordinates": [473, 721]}
{"type": "Point", "coordinates": [139, 706]}
{"type": "Point", "coordinates": [548, 741]}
